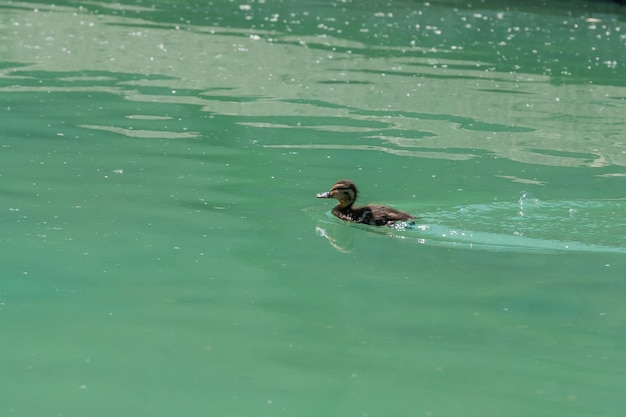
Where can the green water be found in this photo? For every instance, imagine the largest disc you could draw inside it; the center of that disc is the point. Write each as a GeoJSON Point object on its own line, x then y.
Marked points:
{"type": "Point", "coordinates": [163, 252]}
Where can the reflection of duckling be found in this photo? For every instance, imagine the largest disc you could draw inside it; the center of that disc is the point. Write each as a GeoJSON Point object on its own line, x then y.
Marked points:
{"type": "Point", "coordinates": [345, 192]}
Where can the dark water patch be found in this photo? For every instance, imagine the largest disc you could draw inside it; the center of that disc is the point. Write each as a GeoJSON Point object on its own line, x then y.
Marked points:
{"type": "Point", "coordinates": [234, 99]}
{"type": "Point", "coordinates": [565, 154]}
{"type": "Point", "coordinates": [402, 133]}
{"type": "Point", "coordinates": [503, 91]}
{"type": "Point", "coordinates": [7, 64]}
{"type": "Point", "coordinates": [316, 103]}
{"type": "Point", "coordinates": [332, 82]}
{"type": "Point", "coordinates": [447, 65]}
{"type": "Point", "coordinates": [430, 75]}
{"type": "Point", "coordinates": [315, 121]}
{"type": "Point", "coordinates": [40, 78]}
{"type": "Point", "coordinates": [463, 122]}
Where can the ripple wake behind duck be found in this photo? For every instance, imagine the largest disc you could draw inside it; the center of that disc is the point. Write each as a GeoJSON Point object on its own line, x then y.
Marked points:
{"type": "Point", "coordinates": [528, 225]}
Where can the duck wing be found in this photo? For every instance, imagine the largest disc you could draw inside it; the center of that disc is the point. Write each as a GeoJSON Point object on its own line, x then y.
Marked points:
{"type": "Point", "coordinates": [379, 215]}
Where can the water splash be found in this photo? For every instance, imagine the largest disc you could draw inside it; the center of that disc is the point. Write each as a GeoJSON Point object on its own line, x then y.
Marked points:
{"type": "Point", "coordinates": [528, 203]}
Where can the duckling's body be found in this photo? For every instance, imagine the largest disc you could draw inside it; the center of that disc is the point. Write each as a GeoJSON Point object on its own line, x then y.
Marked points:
{"type": "Point", "coordinates": [345, 191]}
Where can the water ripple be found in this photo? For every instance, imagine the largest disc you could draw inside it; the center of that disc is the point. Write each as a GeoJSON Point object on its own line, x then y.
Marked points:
{"type": "Point", "coordinates": [529, 225]}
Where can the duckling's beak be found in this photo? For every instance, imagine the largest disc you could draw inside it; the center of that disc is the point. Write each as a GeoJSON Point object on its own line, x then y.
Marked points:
{"type": "Point", "coordinates": [324, 195]}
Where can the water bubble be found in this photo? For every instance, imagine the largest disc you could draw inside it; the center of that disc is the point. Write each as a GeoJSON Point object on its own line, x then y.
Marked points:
{"type": "Point", "coordinates": [527, 202]}
{"type": "Point", "coordinates": [527, 196]}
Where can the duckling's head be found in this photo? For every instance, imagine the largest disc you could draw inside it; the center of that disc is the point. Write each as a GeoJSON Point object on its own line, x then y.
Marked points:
{"type": "Point", "coordinates": [344, 191]}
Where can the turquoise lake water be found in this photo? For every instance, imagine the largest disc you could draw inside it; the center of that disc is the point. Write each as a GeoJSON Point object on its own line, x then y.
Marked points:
{"type": "Point", "coordinates": [163, 252]}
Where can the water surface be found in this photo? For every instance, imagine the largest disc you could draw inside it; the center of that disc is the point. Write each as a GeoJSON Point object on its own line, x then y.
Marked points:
{"type": "Point", "coordinates": [164, 252]}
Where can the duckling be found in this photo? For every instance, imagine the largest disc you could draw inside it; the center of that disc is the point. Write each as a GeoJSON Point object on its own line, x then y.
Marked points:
{"type": "Point", "coordinates": [345, 191]}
